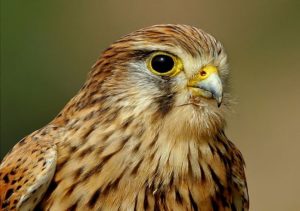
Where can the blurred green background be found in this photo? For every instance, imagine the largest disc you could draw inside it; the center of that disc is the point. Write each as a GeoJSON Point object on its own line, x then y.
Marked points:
{"type": "Point", "coordinates": [47, 48]}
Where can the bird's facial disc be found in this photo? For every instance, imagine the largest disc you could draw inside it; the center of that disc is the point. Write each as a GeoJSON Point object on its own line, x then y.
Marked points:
{"type": "Point", "coordinates": [207, 83]}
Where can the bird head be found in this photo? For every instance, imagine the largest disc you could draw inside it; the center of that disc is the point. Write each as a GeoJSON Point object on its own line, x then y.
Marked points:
{"type": "Point", "coordinates": [174, 74]}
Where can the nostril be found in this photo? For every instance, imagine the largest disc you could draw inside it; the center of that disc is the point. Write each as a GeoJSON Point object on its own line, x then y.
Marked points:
{"type": "Point", "coordinates": [203, 73]}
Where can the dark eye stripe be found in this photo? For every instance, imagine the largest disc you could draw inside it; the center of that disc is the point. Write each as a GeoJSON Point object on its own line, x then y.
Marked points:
{"type": "Point", "coordinates": [141, 54]}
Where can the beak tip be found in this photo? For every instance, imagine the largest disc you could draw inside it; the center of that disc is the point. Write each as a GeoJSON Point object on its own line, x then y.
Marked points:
{"type": "Point", "coordinates": [219, 100]}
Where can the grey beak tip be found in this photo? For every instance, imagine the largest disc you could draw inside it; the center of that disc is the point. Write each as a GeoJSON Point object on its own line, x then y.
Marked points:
{"type": "Point", "coordinates": [219, 100]}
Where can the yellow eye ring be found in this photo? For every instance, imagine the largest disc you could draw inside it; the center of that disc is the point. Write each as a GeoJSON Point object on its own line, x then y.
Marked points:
{"type": "Point", "coordinates": [164, 64]}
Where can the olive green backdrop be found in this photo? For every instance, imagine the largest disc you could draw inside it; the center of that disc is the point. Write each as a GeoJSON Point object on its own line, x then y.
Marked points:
{"type": "Point", "coordinates": [47, 48]}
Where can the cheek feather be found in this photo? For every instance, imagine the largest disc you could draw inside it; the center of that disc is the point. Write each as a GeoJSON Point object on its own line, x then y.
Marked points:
{"type": "Point", "coordinates": [157, 90]}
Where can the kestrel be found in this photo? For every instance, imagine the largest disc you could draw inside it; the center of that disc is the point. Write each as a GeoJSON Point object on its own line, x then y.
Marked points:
{"type": "Point", "coordinates": [145, 132]}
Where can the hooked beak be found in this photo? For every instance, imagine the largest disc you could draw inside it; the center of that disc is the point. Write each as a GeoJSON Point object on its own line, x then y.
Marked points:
{"type": "Point", "coordinates": [208, 84]}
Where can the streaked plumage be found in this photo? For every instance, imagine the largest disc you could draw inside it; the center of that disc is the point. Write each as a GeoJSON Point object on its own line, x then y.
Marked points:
{"type": "Point", "coordinates": [132, 139]}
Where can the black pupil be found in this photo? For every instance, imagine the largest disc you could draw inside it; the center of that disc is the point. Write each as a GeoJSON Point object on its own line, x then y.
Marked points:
{"type": "Point", "coordinates": [162, 63]}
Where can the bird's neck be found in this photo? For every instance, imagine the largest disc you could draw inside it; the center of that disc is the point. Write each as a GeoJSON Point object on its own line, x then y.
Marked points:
{"type": "Point", "coordinates": [159, 150]}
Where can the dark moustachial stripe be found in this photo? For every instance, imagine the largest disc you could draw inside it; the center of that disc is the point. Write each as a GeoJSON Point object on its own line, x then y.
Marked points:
{"type": "Point", "coordinates": [165, 102]}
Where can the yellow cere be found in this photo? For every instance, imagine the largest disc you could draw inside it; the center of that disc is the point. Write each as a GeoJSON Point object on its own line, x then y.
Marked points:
{"type": "Point", "coordinates": [204, 73]}
{"type": "Point", "coordinates": [178, 65]}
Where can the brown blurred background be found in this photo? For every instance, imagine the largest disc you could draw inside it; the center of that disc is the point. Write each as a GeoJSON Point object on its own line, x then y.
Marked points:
{"type": "Point", "coordinates": [47, 48]}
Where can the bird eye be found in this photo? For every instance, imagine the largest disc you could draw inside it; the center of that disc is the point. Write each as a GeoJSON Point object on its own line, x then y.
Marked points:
{"type": "Point", "coordinates": [164, 64]}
